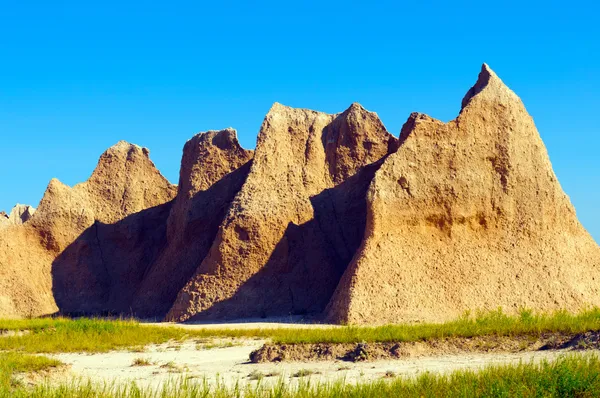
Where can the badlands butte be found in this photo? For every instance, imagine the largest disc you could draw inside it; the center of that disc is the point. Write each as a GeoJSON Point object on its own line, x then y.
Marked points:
{"type": "Point", "coordinates": [331, 217]}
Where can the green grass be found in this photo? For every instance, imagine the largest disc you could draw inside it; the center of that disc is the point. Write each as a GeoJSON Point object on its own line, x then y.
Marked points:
{"type": "Point", "coordinates": [572, 376]}
{"type": "Point", "coordinates": [13, 362]}
{"type": "Point", "coordinates": [98, 335]}
{"type": "Point", "coordinates": [83, 335]}
{"type": "Point", "coordinates": [141, 362]}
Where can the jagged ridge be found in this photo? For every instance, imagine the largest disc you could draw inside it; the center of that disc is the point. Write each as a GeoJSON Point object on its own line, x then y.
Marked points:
{"type": "Point", "coordinates": [331, 212]}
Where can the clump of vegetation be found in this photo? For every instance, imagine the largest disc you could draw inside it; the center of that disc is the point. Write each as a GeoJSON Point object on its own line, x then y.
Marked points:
{"type": "Point", "coordinates": [390, 374]}
{"type": "Point", "coordinates": [12, 362]}
{"type": "Point", "coordinates": [171, 367]}
{"type": "Point", "coordinates": [256, 375]}
{"type": "Point", "coordinates": [141, 362]}
{"type": "Point", "coordinates": [360, 353]}
{"type": "Point", "coordinates": [305, 373]}
{"type": "Point", "coordinates": [213, 345]}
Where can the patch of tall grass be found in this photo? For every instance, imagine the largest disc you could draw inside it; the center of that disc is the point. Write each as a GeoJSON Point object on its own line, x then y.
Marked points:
{"type": "Point", "coordinates": [99, 335]}
{"type": "Point", "coordinates": [13, 362]}
{"type": "Point", "coordinates": [570, 376]}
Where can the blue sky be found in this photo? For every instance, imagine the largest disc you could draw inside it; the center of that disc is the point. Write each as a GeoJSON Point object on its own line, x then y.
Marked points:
{"type": "Point", "coordinates": [75, 78]}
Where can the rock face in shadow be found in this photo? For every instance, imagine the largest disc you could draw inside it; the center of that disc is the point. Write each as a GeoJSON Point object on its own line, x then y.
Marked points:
{"type": "Point", "coordinates": [213, 168]}
{"type": "Point", "coordinates": [137, 265]}
{"type": "Point", "coordinates": [330, 216]}
{"type": "Point", "coordinates": [55, 262]}
{"type": "Point", "coordinates": [124, 182]}
{"type": "Point", "coordinates": [468, 215]}
{"type": "Point", "coordinates": [294, 225]}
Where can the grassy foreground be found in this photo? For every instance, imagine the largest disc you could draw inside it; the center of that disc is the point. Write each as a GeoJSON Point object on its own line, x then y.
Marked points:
{"type": "Point", "coordinates": [97, 335]}
{"type": "Point", "coordinates": [572, 376]}
{"type": "Point", "coordinates": [12, 362]}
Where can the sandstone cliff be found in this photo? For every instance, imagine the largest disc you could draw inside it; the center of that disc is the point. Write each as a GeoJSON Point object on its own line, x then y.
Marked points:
{"type": "Point", "coordinates": [213, 168]}
{"type": "Point", "coordinates": [103, 228]}
{"type": "Point", "coordinates": [57, 256]}
{"type": "Point", "coordinates": [330, 216]}
{"type": "Point", "coordinates": [297, 220]}
{"type": "Point", "coordinates": [468, 215]}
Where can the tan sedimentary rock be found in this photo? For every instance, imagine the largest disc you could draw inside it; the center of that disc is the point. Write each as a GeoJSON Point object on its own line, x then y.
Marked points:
{"type": "Point", "coordinates": [104, 228]}
{"type": "Point", "coordinates": [56, 257]}
{"type": "Point", "coordinates": [331, 216]}
{"type": "Point", "coordinates": [20, 214]}
{"type": "Point", "coordinates": [468, 215]}
{"type": "Point", "coordinates": [3, 219]}
{"type": "Point", "coordinates": [213, 168]}
{"type": "Point", "coordinates": [284, 244]}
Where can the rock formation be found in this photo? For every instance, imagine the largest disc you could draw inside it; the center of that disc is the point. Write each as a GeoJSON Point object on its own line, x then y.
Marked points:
{"type": "Point", "coordinates": [213, 168]}
{"type": "Point", "coordinates": [468, 215]}
{"type": "Point", "coordinates": [330, 216]}
{"type": "Point", "coordinates": [57, 257]}
{"type": "Point", "coordinates": [103, 229]}
{"type": "Point", "coordinates": [19, 215]}
{"type": "Point", "coordinates": [3, 219]}
{"type": "Point", "coordinates": [297, 220]}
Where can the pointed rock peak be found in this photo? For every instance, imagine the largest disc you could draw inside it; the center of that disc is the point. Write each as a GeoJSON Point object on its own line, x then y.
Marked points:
{"type": "Point", "coordinates": [225, 139]}
{"type": "Point", "coordinates": [354, 139]}
{"type": "Point", "coordinates": [356, 111]}
{"type": "Point", "coordinates": [55, 184]}
{"type": "Point", "coordinates": [409, 126]}
{"type": "Point", "coordinates": [276, 106]}
{"type": "Point", "coordinates": [490, 82]}
{"type": "Point", "coordinates": [279, 109]}
{"type": "Point", "coordinates": [209, 156]}
{"type": "Point", "coordinates": [355, 107]}
{"type": "Point", "coordinates": [20, 214]}
{"type": "Point", "coordinates": [125, 148]}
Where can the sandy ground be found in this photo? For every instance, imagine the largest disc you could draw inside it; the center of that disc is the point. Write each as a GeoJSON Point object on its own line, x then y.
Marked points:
{"type": "Point", "coordinates": [229, 364]}
{"type": "Point", "coordinates": [250, 323]}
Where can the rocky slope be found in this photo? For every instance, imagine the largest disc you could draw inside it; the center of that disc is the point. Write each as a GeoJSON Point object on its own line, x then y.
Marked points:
{"type": "Point", "coordinates": [296, 221]}
{"type": "Point", "coordinates": [213, 168]}
{"type": "Point", "coordinates": [468, 215]}
{"type": "Point", "coordinates": [59, 259]}
{"type": "Point", "coordinates": [330, 216]}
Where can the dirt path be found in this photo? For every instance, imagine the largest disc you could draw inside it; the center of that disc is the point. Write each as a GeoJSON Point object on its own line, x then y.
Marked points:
{"type": "Point", "coordinates": [230, 364]}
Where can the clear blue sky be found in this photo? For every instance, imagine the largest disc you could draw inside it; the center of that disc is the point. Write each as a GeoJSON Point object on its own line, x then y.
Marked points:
{"type": "Point", "coordinates": [76, 78]}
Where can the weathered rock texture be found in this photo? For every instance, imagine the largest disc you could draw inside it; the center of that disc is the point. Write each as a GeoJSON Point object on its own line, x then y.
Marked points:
{"type": "Point", "coordinates": [297, 220]}
{"type": "Point", "coordinates": [331, 215]}
{"type": "Point", "coordinates": [4, 221]}
{"type": "Point", "coordinates": [19, 215]}
{"type": "Point", "coordinates": [60, 256]}
{"type": "Point", "coordinates": [213, 168]}
{"type": "Point", "coordinates": [468, 215]}
{"type": "Point", "coordinates": [103, 229]}
{"type": "Point", "coordinates": [25, 279]}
